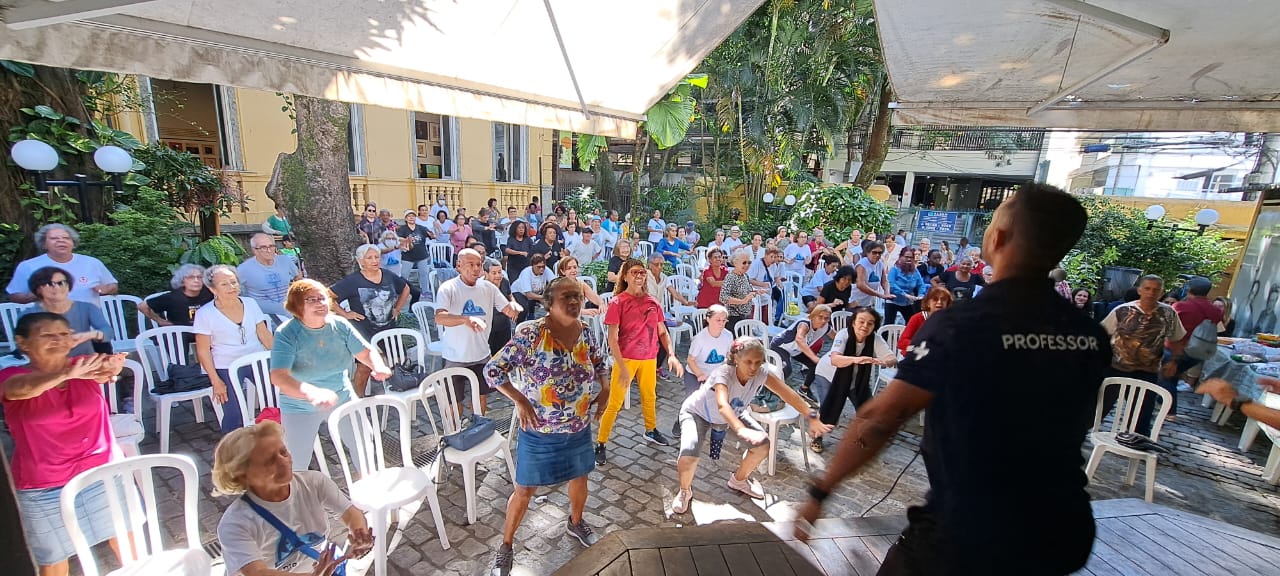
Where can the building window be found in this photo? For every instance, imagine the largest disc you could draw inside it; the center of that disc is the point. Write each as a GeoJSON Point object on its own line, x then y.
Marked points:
{"type": "Point", "coordinates": [355, 142]}
{"type": "Point", "coordinates": [435, 145]}
{"type": "Point", "coordinates": [191, 118]}
{"type": "Point", "coordinates": [509, 151]}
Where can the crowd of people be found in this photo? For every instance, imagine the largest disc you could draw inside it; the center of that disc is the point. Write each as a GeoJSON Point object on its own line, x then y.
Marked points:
{"type": "Point", "coordinates": [563, 351]}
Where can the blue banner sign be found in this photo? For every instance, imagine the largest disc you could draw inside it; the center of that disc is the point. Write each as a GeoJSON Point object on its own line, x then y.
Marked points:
{"type": "Point", "coordinates": [936, 221]}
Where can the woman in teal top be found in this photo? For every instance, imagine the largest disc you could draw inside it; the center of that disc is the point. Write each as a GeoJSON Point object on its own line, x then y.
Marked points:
{"type": "Point", "coordinates": [309, 364]}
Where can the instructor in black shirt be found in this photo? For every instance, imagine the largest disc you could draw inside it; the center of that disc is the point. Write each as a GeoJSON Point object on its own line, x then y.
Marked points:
{"type": "Point", "coordinates": [1002, 445]}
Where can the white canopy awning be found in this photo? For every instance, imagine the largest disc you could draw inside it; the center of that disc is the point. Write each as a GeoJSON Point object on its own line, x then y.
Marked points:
{"type": "Point", "coordinates": [590, 66]}
{"type": "Point", "coordinates": [1106, 64]}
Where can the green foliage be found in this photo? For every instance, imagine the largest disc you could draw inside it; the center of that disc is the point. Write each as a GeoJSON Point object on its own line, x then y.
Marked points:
{"type": "Point", "coordinates": [67, 134]}
{"type": "Point", "coordinates": [54, 206]}
{"type": "Point", "coordinates": [1117, 235]}
{"type": "Point", "coordinates": [140, 246]}
{"type": "Point", "coordinates": [675, 202]}
{"type": "Point", "coordinates": [667, 121]}
{"type": "Point", "coordinates": [1085, 269]}
{"type": "Point", "coordinates": [598, 270]}
{"type": "Point", "coordinates": [582, 200]}
{"type": "Point", "coordinates": [589, 148]}
{"type": "Point", "coordinates": [221, 249]}
{"type": "Point", "coordinates": [838, 210]}
{"type": "Point", "coordinates": [11, 238]}
{"type": "Point", "coordinates": [189, 184]}
{"type": "Point", "coordinates": [20, 68]}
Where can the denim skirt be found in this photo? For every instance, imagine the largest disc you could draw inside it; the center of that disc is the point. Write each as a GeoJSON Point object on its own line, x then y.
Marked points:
{"type": "Point", "coordinates": [42, 521]}
{"type": "Point", "coordinates": [550, 459]}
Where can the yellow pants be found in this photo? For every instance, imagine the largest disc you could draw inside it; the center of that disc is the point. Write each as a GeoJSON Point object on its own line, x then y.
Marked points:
{"type": "Point", "coordinates": [646, 372]}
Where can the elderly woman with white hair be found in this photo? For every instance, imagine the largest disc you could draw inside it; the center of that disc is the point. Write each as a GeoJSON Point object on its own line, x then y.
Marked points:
{"type": "Point", "coordinates": [374, 300]}
{"type": "Point", "coordinates": [227, 329]}
{"type": "Point", "coordinates": [178, 306]}
{"type": "Point", "coordinates": [91, 277]}
{"type": "Point", "coordinates": [281, 521]}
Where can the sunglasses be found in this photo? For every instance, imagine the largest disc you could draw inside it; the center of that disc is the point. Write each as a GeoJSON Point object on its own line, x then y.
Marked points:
{"type": "Point", "coordinates": [877, 252]}
{"type": "Point", "coordinates": [57, 283]}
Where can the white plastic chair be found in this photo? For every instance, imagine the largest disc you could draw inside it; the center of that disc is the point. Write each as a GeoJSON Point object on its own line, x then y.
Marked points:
{"type": "Point", "coordinates": [687, 271]}
{"type": "Point", "coordinates": [840, 320]}
{"type": "Point", "coordinates": [588, 280]}
{"type": "Point", "coordinates": [645, 249]}
{"type": "Point", "coordinates": [259, 394]}
{"type": "Point", "coordinates": [890, 333]}
{"type": "Point", "coordinates": [158, 348]}
{"type": "Point", "coordinates": [751, 328]}
{"type": "Point", "coordinates": [439, 386]}
{"type": "Point", "coordinates": [382, 489]}
{"type": "Point", "coordinates": [148, 555]}
{"type": "Point", "coordinates": [698, 321]}
{"type": "Point", "coordinates": [758, 313]}
{"type": "Point", "coordinates": [127, 428]}
{"type": "Point", "coordinates": [772, 421]}
{"type": "Point", "coordinates": [442, 252]}
{"type": "Point", "coordinates": [425, 312]}
{"type": "Point", "coordinates": [700, 259]}
{"type": "Point", "coordinates": [678, 331]}
{"type": "Point", "coordinates": [433, 283]}
{"type": "Point", "coordinates": [9, 313]}
{"type": "Point", "coordinates": [402, 346]}
{"type": "Point", "coordinates": [119, 317]}
{"type": "Point", "coordinates": [1128, 408]}
{"type": "Point", "coordinates": [608, 361]}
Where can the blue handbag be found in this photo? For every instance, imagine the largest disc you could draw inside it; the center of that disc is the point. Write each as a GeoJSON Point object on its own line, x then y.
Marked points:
{"type": "Point", "coordinates": [477, 431]}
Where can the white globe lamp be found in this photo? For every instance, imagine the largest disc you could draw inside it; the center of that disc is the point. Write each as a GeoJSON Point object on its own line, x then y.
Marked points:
{"type": "Point", "coordinates": [1207, 217]}
{"type": "Point", "coordinates": [767, 198]}
{"type": "Point", "coordinates": [790, 200]}
{"type": "Point", "coordinates": [34, 156]}
{"type": "Point", "coordinates": [1155, 212]}
{"type": "Point", "coordinates": [113, 159]}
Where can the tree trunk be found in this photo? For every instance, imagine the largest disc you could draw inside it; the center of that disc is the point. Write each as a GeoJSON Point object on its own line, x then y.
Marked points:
{"type": "Point", "coordinates": [637, 166]}
{"type": "Point", "coordinates": [877, 145]}
{"type": "Point", "coordinates": [312, 184]}
{"type": "Point", "coordinates": [59, 89]}
{"type": "Point", "coordinates": [606, 181]}
{"type": "Point", "coordinates": [658, 166]}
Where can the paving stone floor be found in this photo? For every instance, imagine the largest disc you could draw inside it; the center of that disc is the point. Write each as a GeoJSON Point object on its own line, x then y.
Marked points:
{"type": "Point", "coordinates": [1206, 475]}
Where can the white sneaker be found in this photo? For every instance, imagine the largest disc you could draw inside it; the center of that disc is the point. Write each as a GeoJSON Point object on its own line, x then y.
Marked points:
{"type": "Point", "coordinates": [747, 487]}
{"type": "Point", "coordinates": [681, 504]}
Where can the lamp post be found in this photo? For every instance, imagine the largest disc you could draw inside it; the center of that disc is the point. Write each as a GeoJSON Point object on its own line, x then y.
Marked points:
{"type": "Point", "coordinates": [40, 159]}
{"type": "Point", "coordinates": [1205, 218]}
{"type": "Point", "coordinates": [770, 201]}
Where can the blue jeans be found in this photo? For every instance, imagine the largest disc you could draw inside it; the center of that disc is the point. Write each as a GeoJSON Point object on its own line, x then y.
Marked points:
{"type": "Point", "coordinates": [231, 416]}
{"type": "Point", "coordinates": [1171, 384]}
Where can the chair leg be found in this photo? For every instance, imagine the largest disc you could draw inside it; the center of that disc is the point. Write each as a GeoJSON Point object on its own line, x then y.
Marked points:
{"type": "Point", "coordinates": [511, 465]}
{"type": "Point", "coordinates": [162, 423]}
{"type": "Point", "coordinates": [433, 500]}
{"type": "Point", "coordinates": [1249, 434]}
{"type": "Point", "coordinates": [773, 445]}
{"type": "Point", "coordinates": [1132, 476]}
{"type": "Point", "coordinates": [318, 450]}
{"type": "Point", "coordinates": [197, 406]}
{"type": "Point", "coordinates": [804, 444]}
{"type": "Point", "coordinates": [469, 484]}
{"type": "Point", "coordinates": [380, 542]}
{"type": "Point", "coordinates": [1151, 478]}
{"type": "Point", "coordinates": [1094, 459]}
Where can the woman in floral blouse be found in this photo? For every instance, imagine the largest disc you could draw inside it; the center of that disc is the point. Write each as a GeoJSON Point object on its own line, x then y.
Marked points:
{"type": "Point", "coordinates": [549, 370]}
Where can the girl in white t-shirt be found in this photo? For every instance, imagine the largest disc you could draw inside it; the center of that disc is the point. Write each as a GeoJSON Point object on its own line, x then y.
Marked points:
{"type": "Point", "coordinates": [722, 402]}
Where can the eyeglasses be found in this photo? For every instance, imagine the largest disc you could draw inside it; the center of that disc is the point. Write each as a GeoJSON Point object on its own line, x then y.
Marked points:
{"type": "Point", "coordinates": [315, 300]}
{"type": "Point", "coordinates": [57, 283]}
{"type": "Point", "coordinates": [371, 210]}
{"type": "Point", "coordinates": [877, 252]}
{"type": "Point", "coordinates": [264, 247]}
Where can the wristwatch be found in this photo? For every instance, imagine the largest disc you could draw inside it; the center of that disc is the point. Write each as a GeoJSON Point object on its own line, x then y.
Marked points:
{"type": "Point", "coordinates": [1238, 402]}
{"type": "Point", "coordinates": [813, 415]}
{"type": "Point", "coordinates": [818, 494]}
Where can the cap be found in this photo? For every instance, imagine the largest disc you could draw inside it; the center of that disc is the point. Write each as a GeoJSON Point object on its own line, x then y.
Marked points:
{"type": "Point", "coordinates": [595, 218]}
{"type": "Point", "coordinates": [1199, 286]}
{"type": "Point", "coordinates": [408, 212]}
{"type": "Point", "coordinates": [735, 229]}
{"type": "Point", "coordinates": [689, 223]}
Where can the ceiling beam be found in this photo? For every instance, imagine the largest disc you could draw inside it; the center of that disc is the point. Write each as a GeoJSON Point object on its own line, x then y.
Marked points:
{"type": "Point", "coordinates": [27, 14]}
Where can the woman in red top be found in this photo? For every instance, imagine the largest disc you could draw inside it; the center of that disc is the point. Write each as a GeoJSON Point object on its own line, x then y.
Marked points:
{"type": "Point", "coordinates": [60, 427]}
{"type": "Point", "coordinates": [935, 299]}
{"type": "Point", "coordinates": [712, 279]}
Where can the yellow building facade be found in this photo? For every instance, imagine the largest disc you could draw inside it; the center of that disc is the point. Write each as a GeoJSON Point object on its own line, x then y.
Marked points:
{"type": "Point", "coordinates": [398, 159]}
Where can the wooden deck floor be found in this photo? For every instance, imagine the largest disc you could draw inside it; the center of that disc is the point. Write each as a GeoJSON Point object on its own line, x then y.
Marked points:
{"type": "Point", "coordinates": [1134, 538]}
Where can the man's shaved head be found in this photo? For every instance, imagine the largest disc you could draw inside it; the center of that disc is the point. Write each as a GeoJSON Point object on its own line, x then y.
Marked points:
{"type": "Point", "coordinates": [1033, 230]}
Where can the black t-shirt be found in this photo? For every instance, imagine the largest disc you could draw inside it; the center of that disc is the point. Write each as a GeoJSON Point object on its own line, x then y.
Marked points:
{"type": "Point", "coordinates": [550, 251]}
{"type": "Point", "coordinates": [175, 306]}
{"type": "Point", "coordinates": [515, 262]}
{"type": "Point", "coordinates": [419, 238]}
{"type": "Point", "coordinates": [615, 266]}
{"type": "Point", "coordinates": [1020, 415]}
{"type": "Point", "coordinates": [830, 293]}
{"type": "Point", "coordinates": [500, 328]}
{"type": "Point", "coordinates": [480, 230]}
{"type": "Point", "coordinates": [962, 290]}
{"type": "Point", "coordinates": [928, 274]}
{"type": "Point", "coordinates": [374, 301]}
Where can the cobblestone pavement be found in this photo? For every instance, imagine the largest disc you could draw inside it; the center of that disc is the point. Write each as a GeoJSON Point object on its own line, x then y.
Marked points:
{"type": "Point", "coordinates": [1206, 475]}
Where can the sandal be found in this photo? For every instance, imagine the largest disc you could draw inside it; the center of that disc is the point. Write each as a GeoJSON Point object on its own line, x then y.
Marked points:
{"type": "Point", "coordinates": [816, 446]}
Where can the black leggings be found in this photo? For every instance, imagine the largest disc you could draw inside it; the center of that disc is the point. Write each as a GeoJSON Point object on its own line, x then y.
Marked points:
{"type": "Point", "coordinates": [833, 401]}
{"type": "Point", "coordinates": [891, 311]}
{"type": "Point", "coordinates": [802, 359]}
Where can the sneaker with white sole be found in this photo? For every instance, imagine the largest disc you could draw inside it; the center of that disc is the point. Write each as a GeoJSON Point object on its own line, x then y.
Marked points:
{"type": "Point", "coordinates": [501, 561]}
{"type": "Point", "coordinates": [657, 437]}
{"type": "Point", "coordinates": [746, 487]}
{"type": "Point", "coordinates": [681, 504]}
{"type": "Point", "coordinates": [582, 531]}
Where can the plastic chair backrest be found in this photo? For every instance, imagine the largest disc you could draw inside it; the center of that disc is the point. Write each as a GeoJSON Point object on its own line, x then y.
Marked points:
{"type": "Point", "coordinates": [645, 248]}
{"type": "Point", "coordinates": [1133, 393]}
{"type": "Point", "coordinates": [140, 380]}
{"type": "Point", "coordinates": [891, 333]}
{"type": "Point", "coordinates": [433, 282]}
{"type": "Point", "coordinates": [120, 319]}
{"type": "Point", "coordinates": [588, 280]}
{"type": "Point", "coordinates": [699, 320]}
{"type": "Point", "coordinates": [687, 287]}
{"type": "Point", "coordinates": [363, 415]}
{"type": "Point", "coordinates": [751, 328]}
{"type": "Point", "coordinates": [840, 320]}
{"type": "Point", "coordinates": [425, 313]}
{"type": "Point", "coordinates": [263, 393]}
{"type": "Point", "coordinates": [687, 271]}
{"type": "Point", "coordinates": [442, 251]}
{"type": "Point", "coordinates": [9, 313]}
{"type": "Point", "coordinates": [128, 473]}
{"type": "Point", "coordinates": [170, 342]}
{"type": "Point", "coordinates": [401, 345]}
{"type": "Point", "coordinates": [700, 259]}
{"type": "Point", "coordinates": [438, 387]}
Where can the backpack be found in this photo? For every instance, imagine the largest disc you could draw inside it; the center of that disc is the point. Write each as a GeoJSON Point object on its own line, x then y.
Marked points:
{"type": "Point", "coordinates": [1204, 341]}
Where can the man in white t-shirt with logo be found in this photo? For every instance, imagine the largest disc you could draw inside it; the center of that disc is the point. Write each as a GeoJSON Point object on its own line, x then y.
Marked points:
{"type": "Point", "coordinates": [464, 310]}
